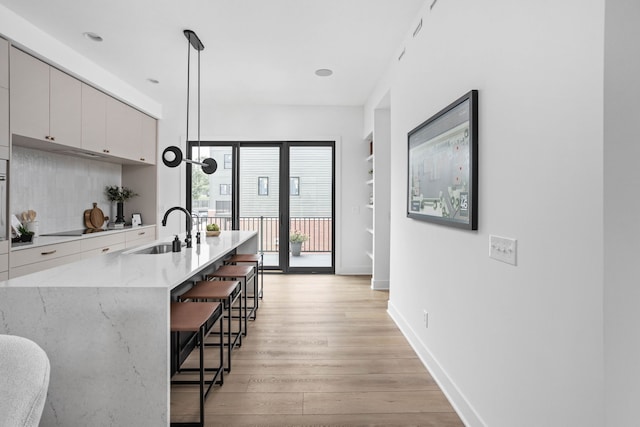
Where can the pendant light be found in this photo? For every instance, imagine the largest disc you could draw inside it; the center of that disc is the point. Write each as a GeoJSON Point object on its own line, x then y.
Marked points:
{"type": "Point", "coordinates": [172, 155]}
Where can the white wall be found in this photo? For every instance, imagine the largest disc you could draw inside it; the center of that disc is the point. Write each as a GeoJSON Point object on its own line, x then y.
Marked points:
{"type": "Point", "coordinates": [512, 346]}
{"type": "Point", "coordinates": [621, 205]}
{"type": "Point", "coordinates": [283, 123]}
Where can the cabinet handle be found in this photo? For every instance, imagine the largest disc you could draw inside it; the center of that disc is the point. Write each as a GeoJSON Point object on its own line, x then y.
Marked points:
{"type": "Point", "coordinates": [142, 233]}
{"type": "Point", "coordinates": [48, 253]}
{"type": "Point", "coordinates": [105, 249]}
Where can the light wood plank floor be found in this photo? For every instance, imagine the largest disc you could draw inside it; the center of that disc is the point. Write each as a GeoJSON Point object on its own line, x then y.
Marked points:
{"type": "Point", "coordinates": [322, 352]}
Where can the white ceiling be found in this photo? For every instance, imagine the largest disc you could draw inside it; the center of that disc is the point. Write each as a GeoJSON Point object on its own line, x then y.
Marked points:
{"type": "Point", "coordinates": [256, 51]}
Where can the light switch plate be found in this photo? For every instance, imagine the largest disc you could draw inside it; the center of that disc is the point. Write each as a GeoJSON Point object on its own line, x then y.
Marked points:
{"type": "Point", "coordinates": [503, 249]}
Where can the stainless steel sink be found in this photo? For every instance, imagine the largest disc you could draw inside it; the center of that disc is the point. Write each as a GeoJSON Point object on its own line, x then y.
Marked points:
{"type": "Point", "coordinates": [161, 248]}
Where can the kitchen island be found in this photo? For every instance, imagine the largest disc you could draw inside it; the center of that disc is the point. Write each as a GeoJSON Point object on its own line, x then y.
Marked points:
{"type": "Point", "coordinates": [104, 323]}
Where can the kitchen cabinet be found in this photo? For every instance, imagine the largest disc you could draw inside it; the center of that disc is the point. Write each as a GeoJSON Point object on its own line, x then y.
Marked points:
{"type": "Point", "coordinates": [4, 63]}
{"type": "Point", "coordinates": [94, 120]}
{"type": "Point", "coordinates": [148, 140]}
{"type": "Point", "coordinates": [4, 123]}
{"type": "Point", "coordinates": [124, 127]}
{"type": "Point", "coordinates": [94, 246]}
{"type": "Point", "coordinates": [45, 102]}
{"type": "Point", "coordinates": [139, 236]}
{"type": "Point", "coordinates": [30, 260]}
{"type": "Point", "coordinates": [4, 260]}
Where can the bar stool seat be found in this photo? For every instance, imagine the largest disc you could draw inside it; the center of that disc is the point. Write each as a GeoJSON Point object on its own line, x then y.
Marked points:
{"type": "Point", "coordinates": [195, 317]}
{"type": "Point", "coordinates": [227, 293]}
{"type": "Point", "coordinates": [243, 273]}
{"type": "Point", "coordinates": [258, 259]}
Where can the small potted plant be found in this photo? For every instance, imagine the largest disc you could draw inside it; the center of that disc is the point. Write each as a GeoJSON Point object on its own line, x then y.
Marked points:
{"type": "Point", "coordinates": [296, 239]}
{"type": "Point", "coordinates": [119, 195]}
{"type": "Point", "coordinates": [25, 235]}
{"type": "Point", "coordinates": [213, 230]}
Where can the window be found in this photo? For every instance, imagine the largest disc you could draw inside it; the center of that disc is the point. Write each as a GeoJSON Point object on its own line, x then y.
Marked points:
{"type": "Point", "coordinates": [294, 186]}
{"type": "Point", "coordinates": [263, 186]}
{"type": "Point", "coordinates": [223, 207]}
{"type": "Point", "coordinates": [225, 189]}
{"type": "Point", "coordinates": [227, 161]}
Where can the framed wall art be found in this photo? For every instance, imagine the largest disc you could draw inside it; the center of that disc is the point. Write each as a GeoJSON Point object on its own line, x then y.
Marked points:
{"type": "Point", "coordinates": [443, 166]}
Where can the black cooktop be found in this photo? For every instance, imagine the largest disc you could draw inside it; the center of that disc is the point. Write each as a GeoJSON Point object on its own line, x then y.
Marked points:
{"type": "Point", "coordinates": [75, 232]}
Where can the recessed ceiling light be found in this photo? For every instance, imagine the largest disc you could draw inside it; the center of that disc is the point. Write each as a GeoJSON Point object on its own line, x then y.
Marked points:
{"type": "Point", "coordinates": [92, 36]}
{"type": "Point", "coordinates": [324, 72]}
{"type": "Point", "coordinates": [152, 80]}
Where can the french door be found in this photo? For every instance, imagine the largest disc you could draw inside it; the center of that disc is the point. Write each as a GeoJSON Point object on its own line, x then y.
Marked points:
{"type": "Point", "coordinates": [283, 190]}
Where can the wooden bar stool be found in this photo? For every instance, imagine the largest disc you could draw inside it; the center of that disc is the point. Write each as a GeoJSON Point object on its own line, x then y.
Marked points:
{"type": "Point", "coordinates": [198, 318]}
{"type": "Point", "coordinates": [257, 259]}
{"type": "Point", "coordinates": [244, 273]}
{"type": "Point", "coordinates": [227, 293]}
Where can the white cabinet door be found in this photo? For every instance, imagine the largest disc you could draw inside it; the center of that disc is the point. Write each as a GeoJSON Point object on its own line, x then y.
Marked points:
{"type": "Point", "coordinates": [29, 96]}
{"type": "Point", "coordinates": [4, 63]}
{"type": "Point", "coordinates": [4, 121]}
{"type": "Point", "coordinates": [124, 127]}
{"type": "Point", "coordinates": [94, 120]}
{"type": "Point", "coordinates": [148, 140]}
{"type": "Point", "coordinates": [64, 109]}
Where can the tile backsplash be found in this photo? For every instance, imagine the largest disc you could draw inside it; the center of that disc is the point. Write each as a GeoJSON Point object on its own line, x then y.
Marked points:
{"type": "Point", "coordinates": [59, 187]}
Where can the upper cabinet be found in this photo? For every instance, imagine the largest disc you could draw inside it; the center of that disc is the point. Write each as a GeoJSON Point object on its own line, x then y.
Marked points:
{"type": "Point", "coordinates": [4, 99]}
{"type": "Point", "coordinates": [45, 102]}
{"type": "Point", "coordinates": [4, 63]}
{"type": "Point", "coordinates": [94, 120]}
{"type": "Point", "coordinates": [50, 106]}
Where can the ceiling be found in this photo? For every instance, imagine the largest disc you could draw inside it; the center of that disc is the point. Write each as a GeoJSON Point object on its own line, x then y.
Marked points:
{"type": "Point", "coordinates": [256, 51]}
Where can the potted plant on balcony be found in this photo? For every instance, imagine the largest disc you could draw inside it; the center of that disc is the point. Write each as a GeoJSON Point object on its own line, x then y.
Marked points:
{"type": "Point", "coordinates": [119, 195]}
{"type": "Point", "coordinates": [296, 239]}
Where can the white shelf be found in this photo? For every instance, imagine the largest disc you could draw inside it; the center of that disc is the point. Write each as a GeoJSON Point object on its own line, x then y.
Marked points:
{"type": "Point", "coordinates": [370, 206]}
{"type": "Point", "coordinates": [370, 231]}
{"type": "Point", "coordinates": [370, 255]}
{"type": "Point", "coordinates": [370, 158]}
{"type": "Point", "coordinates": [370, 182]}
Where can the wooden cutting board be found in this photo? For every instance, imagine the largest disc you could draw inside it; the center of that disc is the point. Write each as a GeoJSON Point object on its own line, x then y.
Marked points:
{"type": "Point", "coordinates": [93, 218]}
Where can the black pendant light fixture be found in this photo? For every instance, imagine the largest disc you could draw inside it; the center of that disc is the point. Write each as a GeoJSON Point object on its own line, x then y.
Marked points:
{"type": "Point", "coordinates": [172, 156]}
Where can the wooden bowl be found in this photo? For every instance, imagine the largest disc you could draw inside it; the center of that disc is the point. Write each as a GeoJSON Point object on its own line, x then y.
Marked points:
{"type": "Point", "coordinates": [213, 233]}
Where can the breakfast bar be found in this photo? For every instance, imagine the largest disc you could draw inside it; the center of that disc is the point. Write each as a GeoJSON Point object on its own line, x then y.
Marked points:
{"type": "Point", "coordinates": [104, 324]}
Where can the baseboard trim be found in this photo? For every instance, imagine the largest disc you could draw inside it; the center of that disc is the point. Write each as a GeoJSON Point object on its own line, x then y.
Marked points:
{"type": "Point", "coordinates": [460, 404]}
{"type": "Point", "coordinates": [379, 285]}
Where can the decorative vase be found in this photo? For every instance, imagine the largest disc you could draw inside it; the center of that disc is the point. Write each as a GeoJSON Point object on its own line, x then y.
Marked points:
{"type": "Point", "coordinates": [120, 213]}
{"type": "Point", "coordinates": [295, 248]}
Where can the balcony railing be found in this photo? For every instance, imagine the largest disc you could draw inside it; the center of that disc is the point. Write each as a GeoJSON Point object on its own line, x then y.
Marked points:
{"type": "Point", "coordinates": [318, 230]}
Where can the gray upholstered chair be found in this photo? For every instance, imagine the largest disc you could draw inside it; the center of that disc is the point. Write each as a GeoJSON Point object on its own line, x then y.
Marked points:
{"type": "Point", "coordinates": [24, 380]}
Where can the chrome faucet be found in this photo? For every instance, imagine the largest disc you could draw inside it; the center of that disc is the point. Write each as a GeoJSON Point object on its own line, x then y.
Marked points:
{"type": "Point", "coordinates": [187, 240]}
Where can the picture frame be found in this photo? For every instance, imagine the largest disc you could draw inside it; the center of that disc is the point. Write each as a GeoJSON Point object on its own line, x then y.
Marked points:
{"type": "Point", "coordinates": [442, 174]}
{"type": "Point", "coordinates": [136, 220]}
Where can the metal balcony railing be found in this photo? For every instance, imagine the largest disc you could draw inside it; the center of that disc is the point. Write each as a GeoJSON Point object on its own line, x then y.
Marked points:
{"type": "Point", "coordinates": [317, 229]}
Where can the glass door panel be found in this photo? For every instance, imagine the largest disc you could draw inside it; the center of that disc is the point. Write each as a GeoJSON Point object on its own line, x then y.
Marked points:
{"type": "Point", "coordinates": [311, 207]}
{"type": "Point", "coordinates": [211, 195]}
{"type": "Point", "coordinates": [259, 198]}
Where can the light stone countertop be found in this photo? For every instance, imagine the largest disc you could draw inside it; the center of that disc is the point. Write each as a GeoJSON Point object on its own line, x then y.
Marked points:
{"type": "Point", "coordinates": [127, 269]}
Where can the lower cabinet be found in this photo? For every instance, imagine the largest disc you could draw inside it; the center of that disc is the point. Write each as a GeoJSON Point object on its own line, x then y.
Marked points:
{"type": "Point", "coordinates": [4, 260]}
{"type": "Point", "coordinates": [25, 261]}
{"type": "Point", "coordinates": [94, 246]}
{"type": "Point", "coordinates": [139, 237]}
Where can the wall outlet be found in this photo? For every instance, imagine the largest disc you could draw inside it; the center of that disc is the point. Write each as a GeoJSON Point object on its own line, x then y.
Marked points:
{"type": "Point", "coordinates": [503, 249]}
{"type": "Point", "coordinates": [425, 318]}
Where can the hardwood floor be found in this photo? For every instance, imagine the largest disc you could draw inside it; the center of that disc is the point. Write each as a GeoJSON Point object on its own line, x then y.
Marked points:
{"type": "Point", "coordinates": [322, 352]}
